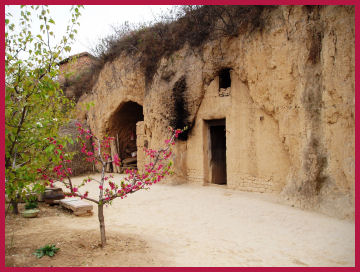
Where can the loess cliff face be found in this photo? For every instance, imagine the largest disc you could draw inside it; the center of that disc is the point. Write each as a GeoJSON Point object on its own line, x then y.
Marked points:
{"type": "Point", "coordinates": [288, 112]}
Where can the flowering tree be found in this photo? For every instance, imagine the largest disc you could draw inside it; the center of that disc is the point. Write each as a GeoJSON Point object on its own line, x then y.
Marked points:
{"type": "Point", "coordinates": [35, 107]}
{"type": "Point", "coordinates": [155, 171]}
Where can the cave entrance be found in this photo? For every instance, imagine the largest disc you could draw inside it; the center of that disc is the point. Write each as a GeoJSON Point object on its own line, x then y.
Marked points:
{"type": "Point", "coordinates": [122, 126]}
{"type": "Point", "coordinates": [217, 151]}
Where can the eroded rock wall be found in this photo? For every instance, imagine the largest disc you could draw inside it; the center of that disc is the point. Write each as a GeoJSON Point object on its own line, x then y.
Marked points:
{"type": "Point", "coordinates": [119, 82]}
{"type": "Point", "coordinates": [289, 116]}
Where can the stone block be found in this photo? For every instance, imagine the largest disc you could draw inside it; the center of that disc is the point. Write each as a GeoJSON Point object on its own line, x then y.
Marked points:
{"type": "Point", "coordinates": [79, 207]}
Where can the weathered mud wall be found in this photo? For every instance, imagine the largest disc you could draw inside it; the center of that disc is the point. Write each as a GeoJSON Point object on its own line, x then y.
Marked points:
{"type": "Point", "coordinates": [79, 165]}
{"type": "Point", "coordinates": [289, 113]}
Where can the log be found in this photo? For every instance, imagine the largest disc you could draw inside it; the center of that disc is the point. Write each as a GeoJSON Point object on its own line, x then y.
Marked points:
{"type": "Point", "coordinates": [116, 168]}
{"type": "Point", "coordinates": [129, 160]}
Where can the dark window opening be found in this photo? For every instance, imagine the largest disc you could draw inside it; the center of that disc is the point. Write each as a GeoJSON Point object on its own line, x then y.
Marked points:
{"type": "Point", "coordinates": [180, 116]}
{"type": "Point", "coordinates": [224, 78]}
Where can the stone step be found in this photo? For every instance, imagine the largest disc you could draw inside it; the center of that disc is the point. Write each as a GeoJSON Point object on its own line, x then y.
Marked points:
{"type": "Point", "coordinates": [79, 207]}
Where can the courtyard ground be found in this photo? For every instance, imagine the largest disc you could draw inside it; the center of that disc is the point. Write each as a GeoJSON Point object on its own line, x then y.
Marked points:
{"type": "Point", "coordinates": [184, 225]}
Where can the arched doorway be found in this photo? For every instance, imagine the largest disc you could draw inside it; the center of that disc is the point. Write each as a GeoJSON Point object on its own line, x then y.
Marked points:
{"type": "Point", "coordinates": [122, 126]}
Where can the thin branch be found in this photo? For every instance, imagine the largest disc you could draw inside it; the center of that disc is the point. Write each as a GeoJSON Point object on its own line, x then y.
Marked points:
{"type": "Point", "coordinates": [21, 122]}
{"type": "Point", "coordinates": [26, 162]}
{"type": "Point", "coordinates": [136, 179]}
{"type": "Point", "coordinates": [95, 180]}
{"type": "Point", "coordinates": [87, 198]}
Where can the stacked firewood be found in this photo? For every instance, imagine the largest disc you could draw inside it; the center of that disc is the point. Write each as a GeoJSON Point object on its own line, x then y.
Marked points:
{"type": "Point", "coordinates": [128, 157]}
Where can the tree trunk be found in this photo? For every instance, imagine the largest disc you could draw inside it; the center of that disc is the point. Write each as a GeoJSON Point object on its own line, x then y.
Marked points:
{"type": "Point", "coordinates": [102, 224]}
{"type": "Point", "coordinates": [14, 205]}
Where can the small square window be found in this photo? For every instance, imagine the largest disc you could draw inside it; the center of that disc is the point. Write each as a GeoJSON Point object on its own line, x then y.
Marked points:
{"type": "Point", "coordinates": [224, 78]}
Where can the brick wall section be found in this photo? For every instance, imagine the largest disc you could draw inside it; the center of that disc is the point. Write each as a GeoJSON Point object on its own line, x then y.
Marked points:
{"type": "Point", "coordinates": [72, 69]}
{"type": "Point", "coordinates": [74, 64]}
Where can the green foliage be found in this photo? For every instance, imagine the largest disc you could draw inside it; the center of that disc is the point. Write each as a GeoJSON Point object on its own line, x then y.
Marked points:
{"type": "Point", "coordinates": [35, 107]}
{"type": "Point", "coordinates": [31, 205]}
{"type": "Point", "coordinates": [48, 250]}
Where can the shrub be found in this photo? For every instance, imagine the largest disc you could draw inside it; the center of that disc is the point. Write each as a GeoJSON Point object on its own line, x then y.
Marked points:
{"type": "Point", "coordinates": [186, 24]}
{"type": "Point", "coordinates": [31, 205]}
{"type": "Point", "coordinates": [49, 250]}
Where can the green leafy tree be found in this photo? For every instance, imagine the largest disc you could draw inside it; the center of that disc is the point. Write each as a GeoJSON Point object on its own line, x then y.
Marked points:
{"type": "Point", "coordinates": [35, 107]}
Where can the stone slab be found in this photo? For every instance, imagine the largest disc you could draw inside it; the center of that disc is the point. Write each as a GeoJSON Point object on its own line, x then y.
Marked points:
{"type": "Point", "coordinates": [79, 207]}
{"type": "Point", "coordinates": [83, 213]}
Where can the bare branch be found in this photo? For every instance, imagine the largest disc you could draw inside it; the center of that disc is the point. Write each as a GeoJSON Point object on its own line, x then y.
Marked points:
{"type": "Point", "coordinates": [21, 122]}
{"type": "Point", "coordinates": [87, 198]}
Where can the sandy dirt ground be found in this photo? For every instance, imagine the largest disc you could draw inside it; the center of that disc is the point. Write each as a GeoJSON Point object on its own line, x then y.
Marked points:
{"type": "Point", "coordinates": [184, 225]}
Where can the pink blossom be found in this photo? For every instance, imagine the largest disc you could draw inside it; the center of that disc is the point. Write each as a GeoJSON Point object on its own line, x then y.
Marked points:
{"type": "Point", "coordinates": [116, 160]}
